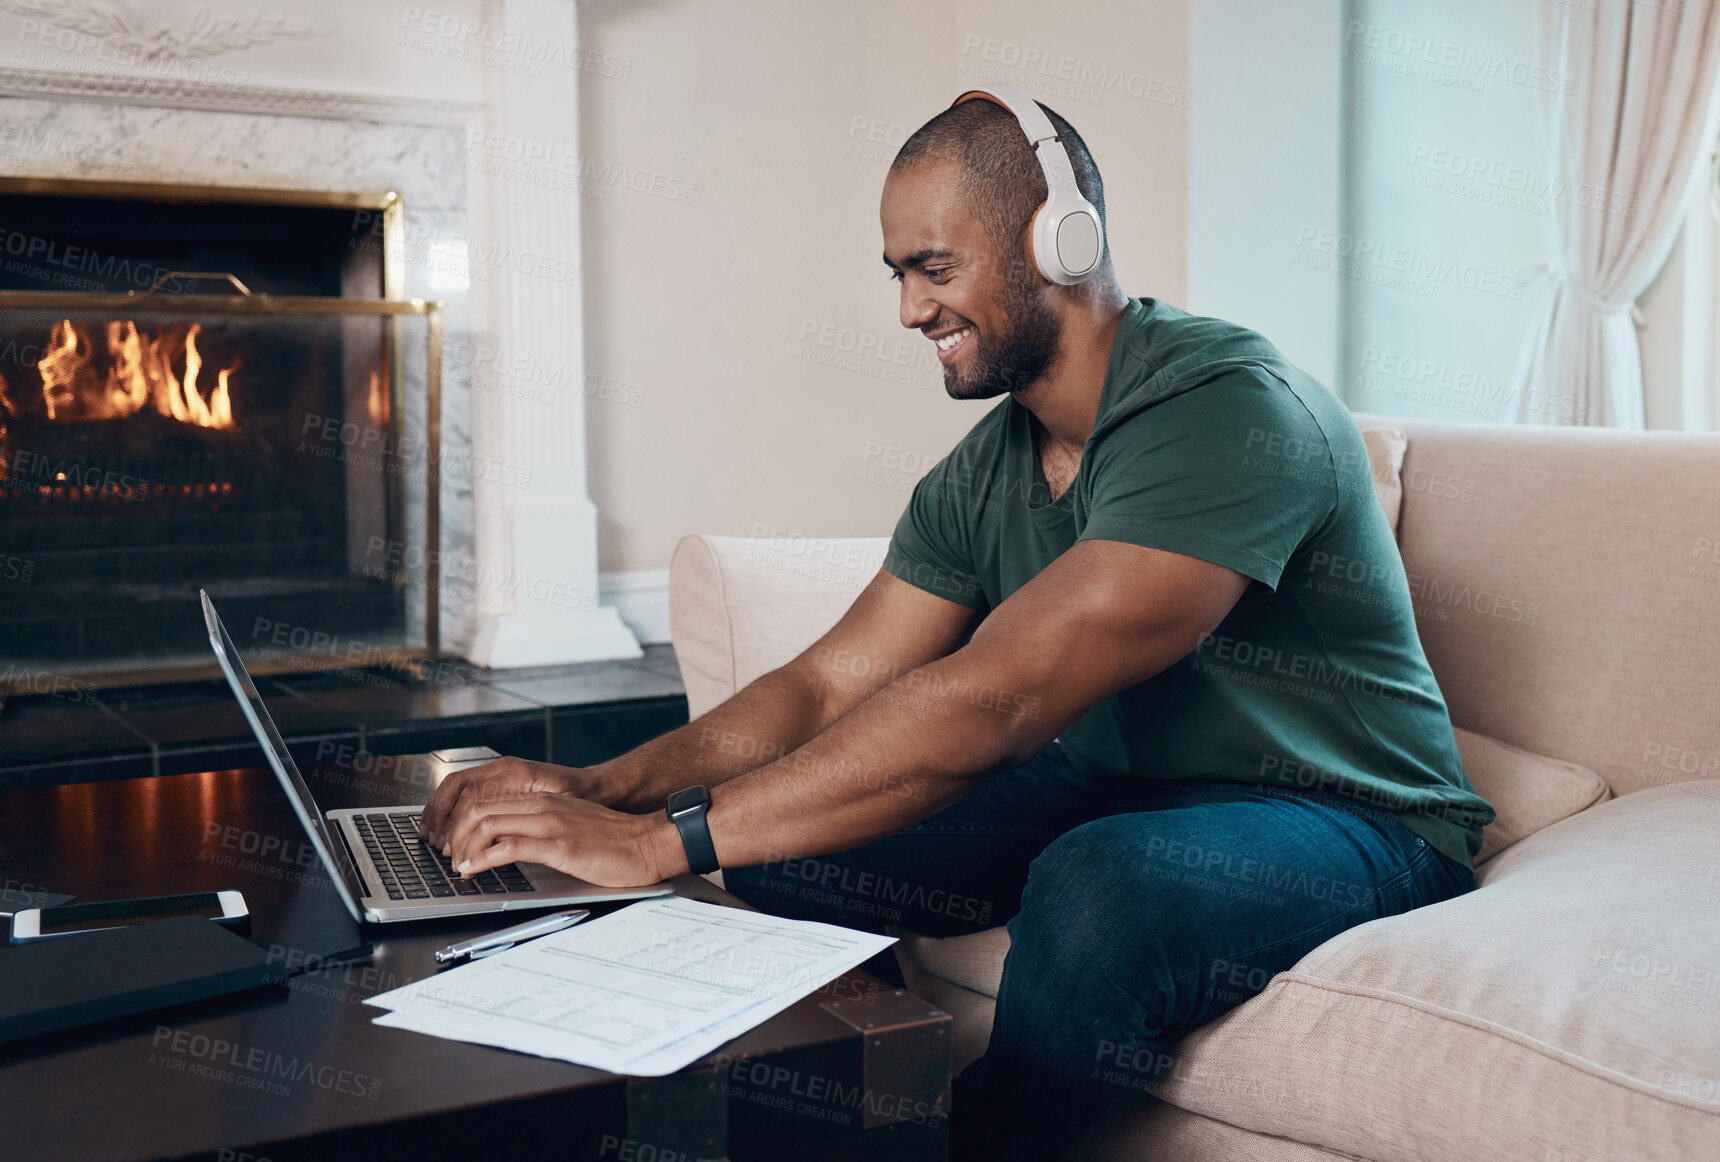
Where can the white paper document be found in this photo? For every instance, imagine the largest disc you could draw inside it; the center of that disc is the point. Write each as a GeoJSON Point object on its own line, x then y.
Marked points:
{"type": "Point", "coordinates": [644, 990]}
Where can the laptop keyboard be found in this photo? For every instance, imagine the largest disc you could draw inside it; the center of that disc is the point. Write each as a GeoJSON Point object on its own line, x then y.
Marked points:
{"type": "Point", "coordinates": [413, 870]}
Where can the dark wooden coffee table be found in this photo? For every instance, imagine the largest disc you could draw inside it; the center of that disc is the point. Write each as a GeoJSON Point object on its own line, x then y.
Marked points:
{"type": "Point", "coordinates": [858, 1070]}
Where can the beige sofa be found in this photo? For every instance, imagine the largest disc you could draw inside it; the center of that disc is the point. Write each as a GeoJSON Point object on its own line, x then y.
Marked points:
{"type": "Point", "coordinates": [1567, 585]}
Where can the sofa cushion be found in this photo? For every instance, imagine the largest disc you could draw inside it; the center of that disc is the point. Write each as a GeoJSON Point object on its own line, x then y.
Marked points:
{"type": "Point", "coordinates": [1528, 791]}
{"type": "Point", "coordinates": [973, 1011]}
{"type": "Point", "coordinates": [974, 961]}
{"type": "Point", "coordinates": [1386, 447]}
{"type": "Point", "coordinates": [1578, 990]}
{"type": "Point", "coordinates": [1163, 1133]}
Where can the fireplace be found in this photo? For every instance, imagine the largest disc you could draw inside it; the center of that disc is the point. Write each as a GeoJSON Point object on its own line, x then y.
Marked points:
{"type": "Point", "coordinates": [213, 389]}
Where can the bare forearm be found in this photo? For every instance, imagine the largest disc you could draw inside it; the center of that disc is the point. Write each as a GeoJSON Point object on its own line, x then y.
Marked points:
{"type": "Point", "coordinates": [763, 722]}
{"type": "Point", "coordinates": [914, 747]}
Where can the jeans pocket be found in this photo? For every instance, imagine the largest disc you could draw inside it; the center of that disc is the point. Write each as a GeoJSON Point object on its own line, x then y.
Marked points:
{"type": "Point", "coordinates": [1411, 887]}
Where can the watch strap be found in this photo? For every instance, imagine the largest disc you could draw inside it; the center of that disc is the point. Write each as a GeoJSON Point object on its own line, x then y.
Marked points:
{"type": "Point", "coordinates": [695, 832]}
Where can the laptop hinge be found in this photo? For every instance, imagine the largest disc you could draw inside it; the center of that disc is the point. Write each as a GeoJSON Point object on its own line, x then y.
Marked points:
{"type": "Point", "coordinates": [357, 878]}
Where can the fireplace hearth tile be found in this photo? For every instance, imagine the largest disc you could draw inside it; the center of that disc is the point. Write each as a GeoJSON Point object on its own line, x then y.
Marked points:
{"type": "Point", "coordinates": [205, 713]}
{"type": "Point", "coordinates": [375, 701]}
{"type": "Point", "coordinates": [186, 760]}
{"type": "Point", "coordinates": [135, 766]}
{"type": "Point", "coordinates": [660, 659]}
{"type": "Point", "coordinates": [526, 738]}
{"type": "Point", "coordinates": [584, 735]}
{"type": "Point", "coordinates": [594, 682]}
{"type": "Point", "coordinates": [45, 728]}
{"type": "Point", "coordinates": [576, 714]}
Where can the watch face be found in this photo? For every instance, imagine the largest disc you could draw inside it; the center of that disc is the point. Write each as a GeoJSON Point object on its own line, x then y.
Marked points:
{"type": "Point", "coordinates": [690, 799]}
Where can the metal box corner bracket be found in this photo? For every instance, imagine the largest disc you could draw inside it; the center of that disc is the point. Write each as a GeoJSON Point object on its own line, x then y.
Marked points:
{"type": "Point", "coordinates": [905, 1056]}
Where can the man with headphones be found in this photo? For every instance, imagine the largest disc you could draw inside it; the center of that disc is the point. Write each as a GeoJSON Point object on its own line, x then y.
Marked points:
{"type": "Point", "coordinates": [1140, 673]}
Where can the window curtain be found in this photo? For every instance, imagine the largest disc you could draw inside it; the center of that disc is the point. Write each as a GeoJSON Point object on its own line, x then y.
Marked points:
{"type": "Point", "coordinates": [1630, 118]}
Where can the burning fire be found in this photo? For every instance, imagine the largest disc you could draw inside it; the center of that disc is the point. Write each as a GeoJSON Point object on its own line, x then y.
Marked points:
{"type": "Point", "coordinates": [140, 372]}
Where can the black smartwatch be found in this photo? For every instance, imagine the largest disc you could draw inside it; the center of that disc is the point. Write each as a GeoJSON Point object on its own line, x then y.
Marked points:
{"type": "Point", "coordinates": [687, 812]}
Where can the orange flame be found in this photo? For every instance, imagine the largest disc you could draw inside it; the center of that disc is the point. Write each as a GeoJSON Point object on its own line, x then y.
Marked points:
{"type": "Point", "coordinates": [65, 368]}
{"type": "Point", "coordinates": [140, 371]}
{"type": "Point", "coordinates": [377, 402]}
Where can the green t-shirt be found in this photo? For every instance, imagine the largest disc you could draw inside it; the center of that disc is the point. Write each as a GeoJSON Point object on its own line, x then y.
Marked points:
{"type": "Point", "coordinates": [1209, 443]}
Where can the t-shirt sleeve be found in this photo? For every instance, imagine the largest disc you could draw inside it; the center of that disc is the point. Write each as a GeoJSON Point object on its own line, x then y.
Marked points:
{"type": "Point", "coordinates": [931, 548]}
{"type": "Point", "coordinates": [1235, 471]}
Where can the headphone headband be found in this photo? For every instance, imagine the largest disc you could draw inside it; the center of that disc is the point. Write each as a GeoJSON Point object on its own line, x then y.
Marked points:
{"type": "Point", "coordinates": [1033, 120]}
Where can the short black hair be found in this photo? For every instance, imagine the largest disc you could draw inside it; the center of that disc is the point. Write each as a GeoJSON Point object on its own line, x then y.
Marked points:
{"type": "Point", "coordinates": [1001, 174]}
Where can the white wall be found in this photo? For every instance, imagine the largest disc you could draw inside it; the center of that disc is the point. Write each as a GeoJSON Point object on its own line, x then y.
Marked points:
{"type": "Point", "coordinates": [740, 295]}
{"type": "Point", "coordinates": [1265, 166]}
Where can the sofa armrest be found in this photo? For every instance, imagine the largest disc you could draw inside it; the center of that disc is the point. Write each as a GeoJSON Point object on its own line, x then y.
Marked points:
{"type": "Point", "coordinates": [740, 607]}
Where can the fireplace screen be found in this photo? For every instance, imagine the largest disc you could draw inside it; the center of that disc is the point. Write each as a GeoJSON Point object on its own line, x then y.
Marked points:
{"type": "Point", "coordinates": [280, 452]}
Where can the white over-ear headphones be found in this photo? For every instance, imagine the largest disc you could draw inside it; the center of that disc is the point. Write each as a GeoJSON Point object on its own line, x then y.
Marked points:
{"type": "Point", "coordinates": [1067, 239]}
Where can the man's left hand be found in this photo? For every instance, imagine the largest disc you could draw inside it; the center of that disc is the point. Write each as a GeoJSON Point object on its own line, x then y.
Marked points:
{"type": "Point", "coordinates": [594, 843]}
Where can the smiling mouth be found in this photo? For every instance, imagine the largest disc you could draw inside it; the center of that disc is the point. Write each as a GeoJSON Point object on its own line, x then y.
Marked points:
{"type": "Point", "coordinates": [951, 343]}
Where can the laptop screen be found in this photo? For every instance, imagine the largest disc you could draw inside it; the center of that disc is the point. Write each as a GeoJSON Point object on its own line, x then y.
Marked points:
{"type": "Point", "coordinates": [304, 805]}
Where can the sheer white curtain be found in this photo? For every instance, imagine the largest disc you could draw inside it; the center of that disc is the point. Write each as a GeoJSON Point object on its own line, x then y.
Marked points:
{"type": "Point", "coordinates": [1631, 116]}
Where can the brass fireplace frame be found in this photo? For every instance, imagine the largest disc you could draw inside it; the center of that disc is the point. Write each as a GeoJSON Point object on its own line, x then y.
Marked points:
{"type": "Point", "coordinates": [387, 202]}
{"type": "Point", "coordinates": [390, 306]}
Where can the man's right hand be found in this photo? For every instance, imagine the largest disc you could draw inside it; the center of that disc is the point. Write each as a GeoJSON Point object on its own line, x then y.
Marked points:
{"type": "Point", "coordinates": [499, 779]}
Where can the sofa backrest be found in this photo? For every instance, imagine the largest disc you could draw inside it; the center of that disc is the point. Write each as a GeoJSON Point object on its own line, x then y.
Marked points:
{"type": "Point", "coordinates": [1566, 584]}
{"type": "Point", "coordinates": [1567, 589]}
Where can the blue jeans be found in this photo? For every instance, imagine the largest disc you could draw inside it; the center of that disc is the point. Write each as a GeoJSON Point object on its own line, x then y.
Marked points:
{"type": "Point", "coordinates": [1138, 910]}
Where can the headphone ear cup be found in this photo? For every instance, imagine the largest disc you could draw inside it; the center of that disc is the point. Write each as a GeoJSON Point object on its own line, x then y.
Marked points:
{"type": "Point", "coordinates": [1045, 256]}
{"type": "Point", "coordinates": [1068, 241]}
{"type": "Point", "coordinates": [1035, 247]}
{"type": "Point", "coordinates": [1080, 242]}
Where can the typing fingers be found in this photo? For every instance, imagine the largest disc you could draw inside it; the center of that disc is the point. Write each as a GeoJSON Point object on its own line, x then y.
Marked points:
{"type": "Point", "coordinates": [471, 826]}
{"type": "Point", "coordinates": [441, 805]}
{"type": "Point", "coordinates": [504, 839]}
{"type": "Point", "coordinates": [445, 806]}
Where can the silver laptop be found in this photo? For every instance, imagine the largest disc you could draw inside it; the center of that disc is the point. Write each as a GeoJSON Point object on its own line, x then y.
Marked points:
{"type": "Point", "coordinates": [382, 870]}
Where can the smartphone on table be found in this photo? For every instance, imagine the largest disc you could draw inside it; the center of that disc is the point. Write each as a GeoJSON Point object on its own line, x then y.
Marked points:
{"type": "Point", "coordinates": [223, 907]}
